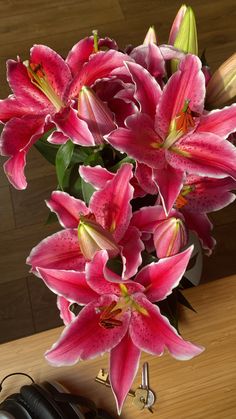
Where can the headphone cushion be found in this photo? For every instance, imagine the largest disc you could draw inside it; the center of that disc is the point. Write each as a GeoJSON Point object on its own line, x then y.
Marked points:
{"type": "Point", "coordinates": [40, 402]}
{"type": "Point", "coordinates": [15, 405]}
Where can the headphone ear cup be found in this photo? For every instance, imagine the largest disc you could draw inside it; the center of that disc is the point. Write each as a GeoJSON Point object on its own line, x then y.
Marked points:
{"type": "Point", "coordinates": [70, 410]}
{"type": "Point", "coordinates": [15, 405]}
{"type": "Point", "coordinates": [40, 402]}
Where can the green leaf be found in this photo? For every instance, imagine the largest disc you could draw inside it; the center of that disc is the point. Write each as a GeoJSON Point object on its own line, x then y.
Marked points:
{"type": "Point", "coordinates": [93, 159]}
{"type": "Point", "coordinates": [182, 300]}
{"type": "Point", "coordinates": [87, 190]}
{"type": "Point", "coordinates": [63, 159]}
{"type": "Point", "coordinates": [47, 150]}
{"type": "Point", "coordinates": [119, 164]}
{"type": "Point", "coordinates": [80, 154]}
{"type": "Point", "coordinates": [115, 265]}
{"type": "Point", "coordinates": [52, 218]}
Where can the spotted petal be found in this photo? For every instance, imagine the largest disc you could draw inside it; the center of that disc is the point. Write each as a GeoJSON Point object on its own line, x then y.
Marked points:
{"type": "Point", "coordinates": [58, 251]}
{"type": "Point", "coordinates": [204, 154]}
{"type": "Point", "coordinates": [160, 278]}
{"type": "Point", "coordinates": [84, 338]}
{"type": "Point", "coordinates": [69, 284]}
{"type": "Point", "coordinates": [67, 208]}
{"type": "Point", "coordinates": [139, 141]}
{"type": "Point", "coordinates": [97, 278]}
{"type": "Point", "coordinates": [111, 205]}
{"type": "Point", "coordinates": [220, 122]}
{"type": "Point", "coordinates": [153, 333]}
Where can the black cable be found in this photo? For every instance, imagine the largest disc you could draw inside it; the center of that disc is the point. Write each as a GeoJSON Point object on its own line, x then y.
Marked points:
{"type": "Point", "coordinates": [15, 373]}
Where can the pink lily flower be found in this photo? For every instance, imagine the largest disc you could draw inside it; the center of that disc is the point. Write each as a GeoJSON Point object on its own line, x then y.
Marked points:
{"type": "Point", "coordinates": [44, 93]}
{"type": "Point", "coordinates": [171, 134]}
{"type": "Point", "coordinates": [119, 317]}
{"type": "Point", "coordinates": [105, 224]}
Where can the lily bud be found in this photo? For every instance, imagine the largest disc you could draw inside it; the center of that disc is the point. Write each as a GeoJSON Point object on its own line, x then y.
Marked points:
{"type": "Point", "coordinates": [176, 24]}
{"type": "Point", "coordinates": [93, 237]}
{"type": "Point", "coordinates": [169, 237]}
{"type": "Point", "coordinates": [150, 37]}
{"type": "Point", "coordinates": [183, 34]}
{"type": "Point", "coordinates": [95, 113]}
{"type": "Point", "coordinates": [221, 88]}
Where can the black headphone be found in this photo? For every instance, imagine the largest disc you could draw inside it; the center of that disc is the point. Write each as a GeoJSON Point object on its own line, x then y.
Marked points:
{"type": "Point", "coordinates": [48, 401]}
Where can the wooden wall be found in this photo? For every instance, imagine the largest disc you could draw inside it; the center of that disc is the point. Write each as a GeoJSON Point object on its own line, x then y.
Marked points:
{"type": "Point", "coordinates": [26, 306]}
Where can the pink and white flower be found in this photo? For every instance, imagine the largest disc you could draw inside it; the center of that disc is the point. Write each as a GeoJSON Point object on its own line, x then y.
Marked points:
{"type": "Point", "coordinates": [119, 317]}
{"type": "Point", "coordinates": [108, 217]}
{"type": "Point", "coordinates": [172, 135]}
{"type": "Point", "coordinates": [45, 91]}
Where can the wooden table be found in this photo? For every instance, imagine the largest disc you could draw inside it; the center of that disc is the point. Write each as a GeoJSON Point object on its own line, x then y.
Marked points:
{"type": "Point", "coordinates": [204, 387]}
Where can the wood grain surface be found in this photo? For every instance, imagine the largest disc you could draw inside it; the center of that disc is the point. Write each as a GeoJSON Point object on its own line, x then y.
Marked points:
{"type": "Point", "coordinates": [203, 388]}
{"type": "Point", "coordinates": [60, 24]}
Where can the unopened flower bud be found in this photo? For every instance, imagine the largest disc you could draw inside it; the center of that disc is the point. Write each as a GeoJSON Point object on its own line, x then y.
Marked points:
{"type": "Point", "coordinates": [150, 37]}
{"type": "Point", "coordinates": [221, 88]}
{"type": "Point", "coordinates": [170, 236]}
{"type": "Point", "coordinates": [95, 113]}
{"type": "Point", "coordinates": [93, 237]}
{"type": "Point", "coordinates": [183, 34]}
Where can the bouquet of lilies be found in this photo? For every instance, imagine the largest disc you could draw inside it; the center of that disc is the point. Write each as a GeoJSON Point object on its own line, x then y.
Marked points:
{"type": "Point", "coordinates": [141, 155]}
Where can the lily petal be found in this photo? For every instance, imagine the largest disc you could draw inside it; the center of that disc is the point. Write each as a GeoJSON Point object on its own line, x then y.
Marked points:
{"type": "Point", "coordinates": [124, 362]}
{"type": "Point", "coordinates": [54, 67]}
{"type": "Point", "coordinates": [57, 138]}
{"type": "Point", "coordinates": [160, 278]}
{"type": "Point", "coordinates": [25, 91]}
{"type": "Point", "coordinates": [64, 307]}
{"type": "Point", "coordinates": [80, 54]}
{"type": "Point", "coordinates": [67, 208]}
{"type": "Point", "coordinates": [58, 251]}
{"type": "Point", "coordinates": [71, 285]}
{"type": "Point", "coordinates": [220, 122]}
{"type": "Point", "coordinates": [144, 175]}
{"type": "Point", "coordinates": [200, 223]}
{"type": "Point", "coordinates": [209, 194]}
{"type": "Point", "coordinates": [139, 141]}
{"type": "Point", "coordinates": [98, 176]}
{"type": "Point", "coordinates": [132, 246]}
{"type": "Point", "coordinates": [18, 135]}
{"type": "Point", "coordinates": [68, 122]}
{"type": "Point", "coordinates": [147, 218]}
{"type": "Point", "coordinates": [148, 91]}
{"type": "Point", "coordinates": [96, 279]}
{"type": "Point", "coordinates": [153, 333]}
{"type": "Point", "coordinates": [169, 181]}
{"type": "Point", "coordinates": [101, 65]}
{"type": "Point", "coordinates": [204, 154]}
{"type": "Point", "coordinates": [111, 205]}
{"type": "Point", "coordinates": [84, 338]}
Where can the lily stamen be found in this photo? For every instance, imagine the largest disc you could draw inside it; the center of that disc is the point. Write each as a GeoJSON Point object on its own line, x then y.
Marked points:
{"type": "Point", "coordinates": [40, 80]}
{"type": "Point", "coordinates": [107, 317]}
